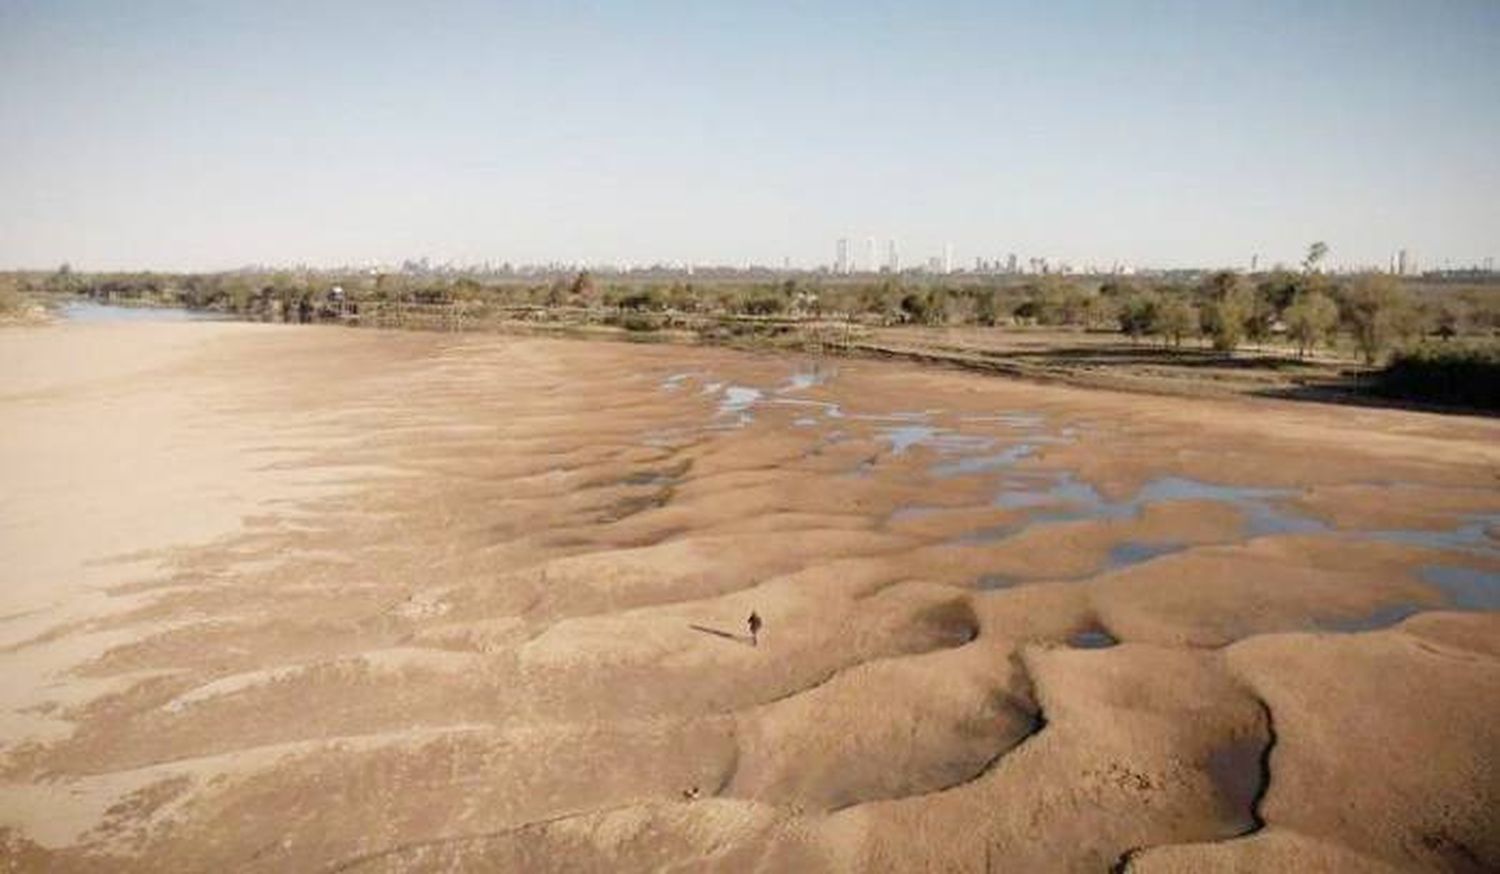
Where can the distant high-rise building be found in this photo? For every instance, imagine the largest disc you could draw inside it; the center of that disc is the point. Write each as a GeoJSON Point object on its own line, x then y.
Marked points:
{"type": "Point", "coordinates": [1401, 265]}
{"type": "Point", "coordinates": [892, 257]}
{"type": "Point", "coordinates": [872, 256]}
{"type": "Point", "coordinates": [841, 256]}
{"type": "Point", "coordinates": [1011, 263]}
{"type": "Point", "coordinates": [947, 257]}
{"type": "Point", "coordinates": [1254, 263]}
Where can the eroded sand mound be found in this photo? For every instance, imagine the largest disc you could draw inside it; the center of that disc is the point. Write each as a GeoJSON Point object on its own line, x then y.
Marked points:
{"type": "Point", "coordinates": [314, 599]}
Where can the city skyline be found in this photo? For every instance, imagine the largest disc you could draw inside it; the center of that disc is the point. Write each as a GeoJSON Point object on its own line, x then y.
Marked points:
{"type": "Point", "coordinates": [188, 137]}
{"type": "Point", "coordinates": [1402, 262]}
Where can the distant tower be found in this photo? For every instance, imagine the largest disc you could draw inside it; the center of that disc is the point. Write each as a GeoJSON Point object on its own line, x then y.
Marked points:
{"type": "Point", "coordinates": [892, 257]}
{"type": "Point", "coordinates": [841, 258]}
{"type": "Point", "coordinates": [1254, 263]}
{"type": "Point", "coordinates": [1401, 263]}
{"type": "Point", "coordinates": [947, 257]}
{"type": "Point", "coordinates": [1011, 263]}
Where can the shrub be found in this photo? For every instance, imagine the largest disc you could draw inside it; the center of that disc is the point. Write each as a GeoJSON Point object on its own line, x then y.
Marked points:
{"type": "Point", "coordinates": [1448, 374]}
{"type": "Point", "coordinates": [11, 300]}
{"type": "Point", "coordinates": [763, 305]}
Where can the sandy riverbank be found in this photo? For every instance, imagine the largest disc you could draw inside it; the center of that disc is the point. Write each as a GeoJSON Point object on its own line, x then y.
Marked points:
{"type": "Point", "coordinates": [285, 598]}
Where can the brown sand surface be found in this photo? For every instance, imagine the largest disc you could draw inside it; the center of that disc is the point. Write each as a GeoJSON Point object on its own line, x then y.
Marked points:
{"type": "Point", "coordinates": [281, 598]}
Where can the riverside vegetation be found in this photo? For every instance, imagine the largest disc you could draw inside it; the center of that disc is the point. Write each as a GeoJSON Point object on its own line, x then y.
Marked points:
{"type": "Point", "coordinates": [1304, 328]}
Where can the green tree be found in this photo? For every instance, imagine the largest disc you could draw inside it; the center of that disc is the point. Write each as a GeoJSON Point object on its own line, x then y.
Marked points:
{"type": "Point", "coordinates": [939, 305]}
{"type": "Point", "coordinates": [1227, 308]}
{"type": "Point", "coordinates": [1099, 310]}
{"type": "Point", "coordinates": [1054, 300]}
{"type": "Point", "coordinates": [583, 291]}
{"type": "Point", "coordinates": [762, 303]}
{"type": "Point", "coordinates": [1452, 318]}
{"type": "Point", "coordinates": [64, 281]}
{"type": "Point", "coordinates": [1378, 312]}
{"type": "Point", "coordinates": [466, 289]}
{"type": "Point", "coordinates": [1310, 320]}
{"type": "Point", "coordinates": [881, 300]}
{"type": "Point", "coordinates": [1137, 315]}
{"type": "Point", "coordinates": [1175, 319]}
{"type": "Point", "coordinates": [11, 300]}
{"type": "Point", "coordinates": [638, 299]}
{"type": "Point", "coordinates": [1280, 288]}
{"type": "Point", "coordinates": [986, 307]}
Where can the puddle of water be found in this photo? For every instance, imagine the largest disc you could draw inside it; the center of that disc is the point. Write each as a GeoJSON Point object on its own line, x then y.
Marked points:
{"type": "Point", "coordinates": [1092, 638]}
{"type": "Point", "coordinates": [1022, 500]}
{"type": "Point", "coordinates": [1012, 420]}
{"type": "Point", "coordinates": [898, 416]}
{"type": "Point", "coordinates": [983, 463]}
{"type": "Point", "coordinates": [806, 378]}
{"type": "Point", "coordinates": [1238, 774]}
{"type": "Point", "coordinates": [1135, 551]}
{"type": "Point", "coordinates": [804, 422]}
{"type": "Point", "coordinates": [738, 399]}
{"type": "Point", "coordinates": [1381, 617]}
{"type": "Point", "coordinates": [91, 312]}
{"type": "Point", "coordinates": [830, 410]}
{"type": "Point", "coordinates": [1262, 514]}
{"type": "Point", "coordinates": [904, 437]}
{"type": "Point", "coordinates": [990, 582]}
{"type": "Point", "coordinates": [672, 438]}
{"type": "Point", "coordinates": [1470, 536]}
{"type": "Point", "coordinates": [982, 536]}
{"type": "Point", "coordinates": [674, 382]}
{"type": "Point", "coordinates": [653, 477]}
{"type": "Point", "coordinates": [1263, 519]}
{"type": "Point", "coordinates": [1466, 588]}
{"type": "Point", "coordinates": [1081, 501]}
{"type": "Point", "coordinates": [901, 514]}
{"type": "Point", "coordinates": [1177, 488]}
{"type": "Point", "coordinates": [1073, 500]}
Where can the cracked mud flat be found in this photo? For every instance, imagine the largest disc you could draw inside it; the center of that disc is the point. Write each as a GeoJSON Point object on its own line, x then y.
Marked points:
{"type": "Point", "coordinates": [315, 599]}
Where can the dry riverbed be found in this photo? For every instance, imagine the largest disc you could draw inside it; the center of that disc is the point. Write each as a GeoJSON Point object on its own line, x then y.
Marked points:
{"type": "Point", "coordinates": [281, 598]}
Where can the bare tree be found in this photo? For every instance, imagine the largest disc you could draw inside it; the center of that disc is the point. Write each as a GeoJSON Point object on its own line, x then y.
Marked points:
{"type": "Point", "coordinates": [1315, 253]}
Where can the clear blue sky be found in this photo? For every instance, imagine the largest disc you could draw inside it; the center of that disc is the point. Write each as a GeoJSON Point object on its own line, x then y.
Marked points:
{"type": "Point", "coordinates": [213, 134]}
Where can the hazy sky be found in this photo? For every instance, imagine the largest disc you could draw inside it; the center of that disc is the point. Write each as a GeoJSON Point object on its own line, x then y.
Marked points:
{"type": "Point", "coordinates": [213, 134]}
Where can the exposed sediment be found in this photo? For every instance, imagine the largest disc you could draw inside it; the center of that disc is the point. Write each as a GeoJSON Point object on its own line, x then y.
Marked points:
{"type": "Point", "coordinates": [481, 602]}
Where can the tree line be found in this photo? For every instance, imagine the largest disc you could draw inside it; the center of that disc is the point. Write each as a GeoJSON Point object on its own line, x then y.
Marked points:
{"type": "Point", "coordinates": [1306, 310]}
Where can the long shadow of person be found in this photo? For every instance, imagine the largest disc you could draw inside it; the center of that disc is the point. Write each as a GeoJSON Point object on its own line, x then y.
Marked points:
{"type": "Point", "coordinates": [747, 640]}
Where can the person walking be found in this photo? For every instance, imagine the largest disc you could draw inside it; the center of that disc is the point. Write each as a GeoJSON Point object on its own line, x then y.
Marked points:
{"type": "Point", "coordinates": [754, 624]}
